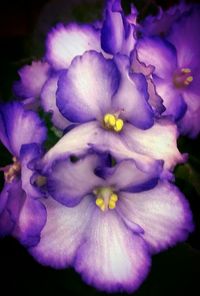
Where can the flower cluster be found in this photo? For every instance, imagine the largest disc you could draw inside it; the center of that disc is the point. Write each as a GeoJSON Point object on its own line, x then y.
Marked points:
{"type": "Point", "coordinates": [102, 198]}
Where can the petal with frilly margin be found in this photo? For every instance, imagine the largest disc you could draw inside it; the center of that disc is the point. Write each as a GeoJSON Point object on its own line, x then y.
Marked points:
{"type": "Point", "coordinates": [19, 126]}
{"type": "Point", "coordinates": [85, 90]}
{"type": "Point", "coordinates": [112, 258]}
{"type": "Point", "coordinates": [65, 42]}
{"type": "Point", "coordinates": [63, 232]}
{"type": "Point", "coordinates": [162, 212]}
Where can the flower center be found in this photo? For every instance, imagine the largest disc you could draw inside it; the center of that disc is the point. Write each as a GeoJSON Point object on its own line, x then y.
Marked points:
{"type": "Point", "coordinates": [105, 198]}
{"type": "Point", "coordinates": [11, 171]}
{"type": "Point", "coordinates": [112, 122]}
{"type": "Point", "coordinates": [182, 78]}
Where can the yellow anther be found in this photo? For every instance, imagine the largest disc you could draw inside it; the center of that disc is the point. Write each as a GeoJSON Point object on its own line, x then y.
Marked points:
{"type": "Point", "coordinates": [190, 79]}
{"type": "Point", "coordinates": [111, 120]}
{"type": "Point", "coordinates": [185, 70]}
{"type": "Point", "coordinates": [114, 197]}
{"type": "Point", "coordinates": [111, 204]}
{"type": "Point", "coordinates": [99, 201]}
{"type": "Point", "coordinates": [118, 125]}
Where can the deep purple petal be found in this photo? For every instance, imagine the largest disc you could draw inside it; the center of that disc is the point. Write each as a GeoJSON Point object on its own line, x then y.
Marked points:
{"type": "Point", "coordinates": [66, 42]}
{"type": "Point", "coordinates": [69, 182]}
{"type": "Point", "coordinates": [126, 176]}
{"type": "Point", "coordinates": [112, 258]}
{"type": "Point", "coordinates": [63, 232]}
{"type": "Point", "coordinates": [32, 80]}
{"type": "Point", "coordinates": [157, 52]}
{"type": "Point", "coordinates": [31, 220]}
{"type": "Point", "coordinates": [158, 142]}
{"type": "Point", "coordinates": [19, 126]}
{"type": "Point", "coordinates": [48, 102]}
{"type": "Point", "coordinates": [162, 212]}
{"type": "Point", "coordinates": [132, 97]}
{"type": "Point", "coordinates": [85, 90]}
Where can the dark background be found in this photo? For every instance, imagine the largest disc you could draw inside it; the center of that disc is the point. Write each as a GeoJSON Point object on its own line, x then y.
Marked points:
{"type": "Point", "coordinates": [23, 26]}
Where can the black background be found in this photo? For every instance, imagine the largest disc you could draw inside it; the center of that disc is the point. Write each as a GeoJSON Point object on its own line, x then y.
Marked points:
{"type": "Point", "coordinates": [23, 25]}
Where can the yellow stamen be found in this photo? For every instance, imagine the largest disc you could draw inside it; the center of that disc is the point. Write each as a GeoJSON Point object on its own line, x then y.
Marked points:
{"type": "Point", "coordinates": [111, 204]}
{"type": "Point", "coordinates": [119, 125]}
{"type": "Point", "coordinates": [114, 197]}
{"type": "Point", "coordinates": [99, 201]}
{"type": "Point", "coordinates": [185, 70]}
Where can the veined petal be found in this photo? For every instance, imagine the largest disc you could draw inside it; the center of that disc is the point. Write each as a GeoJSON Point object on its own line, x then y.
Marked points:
{"type": "Point", "coordinates": [126, 176]}
{"type": "Point", "coordinates": [85, 90]}
{"type": "Point", "coordinates": [132, 97]}
{"type": "Point", "coordinates": [156, 52]}
{"type": "Point", "coordinates": [19, 126]}
{"type": "Point", "coordinates": [48, 102]}
{"type": "Point", "coordinates": [69, 182]}
{"type": "Point", "coordinates": [66, 42]}
{"type": "Point", "coordinates": [63, 232]}
{"type": "Point", "coordinates": [162, 212]}
{"type": "Point", "coordinates": [158, 142]}
{"type": "Point", "coordinates": [112, 258]}
{"type": "Point", "coordinates": [32, 80]}
{"type": "Point", "coordinates": [31, 220]}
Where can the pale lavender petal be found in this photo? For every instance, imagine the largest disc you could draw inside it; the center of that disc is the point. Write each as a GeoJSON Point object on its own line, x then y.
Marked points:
{"type": "Point", "coordinates": [69, 182]}
{"type": "Point", "coordinates": [132, 96]}
{"type": "Point", "coordinates": [112, 258]}
{"type": "Point", "coordinates": [66, 42]}
{"type": "Point", "coordinates": [32, 80]}
{"type": "Point", "coordinates": [90, 135]}
{"type": "Point", "coordinates": [20, 126]}
{"type": "Point", "coordinates": [63, 232]}
{"type": "Point", "coordinates": [48, 102]}
{"type": "Point", "coordinates": [162, 212]}
{"type": "Point", "coordinates": [158, 142]}
{"type": "Point", "coordinates": [126, 176]}
{"type": "Point", "coordinates": [31, 220]}
{"type": "Point", "coordinates": [157, 53]}
{"type": "Point", "coordinates": [85, 90]}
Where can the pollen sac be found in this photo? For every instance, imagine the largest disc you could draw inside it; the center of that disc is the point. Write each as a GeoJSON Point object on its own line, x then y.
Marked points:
{"type": "Point", "coordinates": [12, 171]}
{"type": "Point", "coordinates": [183, 78]}
{"type": "Point", "coordinates": [106, 198]}
{"type": "Point", "coordinates": [112, 122]}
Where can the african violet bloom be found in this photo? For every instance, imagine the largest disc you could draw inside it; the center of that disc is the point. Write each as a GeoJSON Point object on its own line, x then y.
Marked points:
{"type": "Point", "coordinates": [107, 221]}
{"type": "Point", "coordinates": [21, 213]}
{"type": "Point", "coordinates": [110, 111]}
{"type": "Point", "coordinates": [176, 70]}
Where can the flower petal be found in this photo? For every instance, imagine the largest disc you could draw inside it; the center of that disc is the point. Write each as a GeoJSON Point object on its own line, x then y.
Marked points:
{"type": "Point", "coordinates": [19, 126]}
{"type": "Point", "coordinates": [132, 96]}
{"type": "Point", "coordinates": [126, 176]}
{"type": "Point", "coordinates": [91, 136]}
{"type": "Point", "coordinates": [112, 258]}
{"type": "Point", "coordinates": [31, 220]}
{"type": "Point", "coordinates": [48, 102]}
{"type": "Point", "coordinates": [162, 212]}
{"type": "Point", "coordinates": [62, 233]}
{"type": "Point", "coordinates": [172, 99]}
{"type": "Point", "coordinates": [158, 142]}
{"type": "Point", "coordinates": [69, 182]}
{"type": "Point", "coordinates": [85, 90]}
{"type": "Point", "coordinates": [157, 52]}
{"type": "Point", "coordinates": [112, 32]}
{"type": "Point", "coordinates": [66, 42]}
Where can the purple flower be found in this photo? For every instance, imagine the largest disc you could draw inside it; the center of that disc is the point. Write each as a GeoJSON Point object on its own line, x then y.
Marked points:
{"type": "Point", "coordinates": [21, 212]}
{"type": "Point", "coordinates": [112, 106]}
{"type": "Point", "coordinates": [115, 218]}
{"type": "Point", "coordinates": [176, 74]}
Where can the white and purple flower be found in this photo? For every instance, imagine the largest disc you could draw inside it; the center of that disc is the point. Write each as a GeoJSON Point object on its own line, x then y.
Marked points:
{"type": "Point", "coordinates": [107, 221]}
